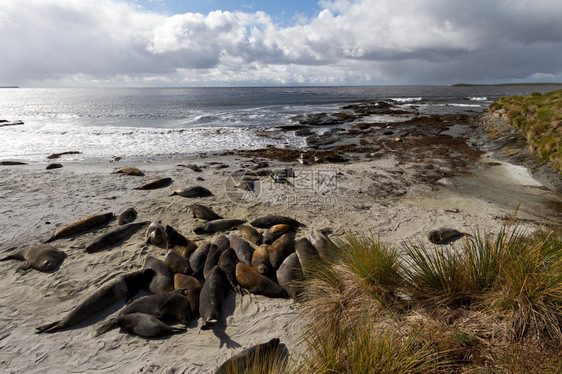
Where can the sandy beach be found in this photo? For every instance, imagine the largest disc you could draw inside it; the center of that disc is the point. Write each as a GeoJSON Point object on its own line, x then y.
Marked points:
{"type": "Point", "coordinates": [399, 193]}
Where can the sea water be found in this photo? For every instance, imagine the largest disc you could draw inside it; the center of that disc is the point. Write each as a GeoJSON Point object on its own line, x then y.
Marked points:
{"type": "Point", "coordinates": [161, 123]}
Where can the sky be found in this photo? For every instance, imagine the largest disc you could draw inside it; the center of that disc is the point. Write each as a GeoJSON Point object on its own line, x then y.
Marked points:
{"type": "Point", "coordinates": [199, 43]}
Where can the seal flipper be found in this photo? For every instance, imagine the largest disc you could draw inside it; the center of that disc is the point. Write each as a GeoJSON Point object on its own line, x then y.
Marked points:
{"type": "Point", "coordinates": [107, 325]}
{"type": "Point", "coordinates": [10, 257]}
{"type": "Point", "coordinates": [51, 327]}
{"type": "Point", "coordinates": [25, 267]}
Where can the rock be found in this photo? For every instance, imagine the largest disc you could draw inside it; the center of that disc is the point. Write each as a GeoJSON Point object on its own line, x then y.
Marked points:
{"type": "Point", "coordinates": [54, 166]}
{"type": "Point", "coordinates": [317, 141]}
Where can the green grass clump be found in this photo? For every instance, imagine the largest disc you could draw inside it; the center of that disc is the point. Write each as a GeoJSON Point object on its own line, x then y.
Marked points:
{"type": "Point", "coordinates": [539, 118]}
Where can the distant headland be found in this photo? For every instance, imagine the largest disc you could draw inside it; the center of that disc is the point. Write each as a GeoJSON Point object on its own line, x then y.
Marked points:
{"type": "Point", "coordinates": [9, 87]}
{"type": "Point", "coordinates": [506, 84]}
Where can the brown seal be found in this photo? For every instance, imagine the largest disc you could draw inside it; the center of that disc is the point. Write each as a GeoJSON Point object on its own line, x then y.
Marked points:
{"type": "Point", "coordinates": [163, 281]}
{"type": "Point", "coordinates": [124, 286]}
{"type": "Point", "coordinates": [272, 220]}
{"type": "Point", "coordinates": [177, 263]}
{"type": "Point", "coordinates": [260, 355]}
{"type": "Point", "coordinates": [221, 241]}
{"type": "Point", "coordinates": [155, 233]}
{"type": "Point", "coordinates": [189, 287]}
{"type": "Point", "coordinates": [115, 236]}
{"type": "Point", "coordinates": [195, 191]}
{"type": "Point", "coordinates": [275, 232]}
{"type": "Point", "coordinates": [130, 170]}
{"type": "Point", "coordinates": [260, 260]}
{"type": "Point", "coordinates": [85, 224]}
{"type": "Point", "coordinates": [158, 183]}
{"type": "Point", "coordinates": [444, 235]}
{"type": "Point", "coordinates": [127, 216]}
{"type": "Point", "coordinates": [173, 306]}
{"type": "Point", "coordinates": [243, 249]}
{"type": "Point", "coordinates": [289, 275]}
{"type": "Point", "coordinates": [203, 212]}
{"type": "Point", "coordinates": [251, 234]}
{"type": "Point", "coordinates": [257, 283]}
{"type": "Point", "coordinates": [42, 257]}
{"type": "Point", "coordinates": [280, 249]}
{"type": "Point", "coordinates": [145, 325]}
{"type": "Point", "coordinates": [212, 297]}
{"type": "Point", "coordinates": [180, 243]}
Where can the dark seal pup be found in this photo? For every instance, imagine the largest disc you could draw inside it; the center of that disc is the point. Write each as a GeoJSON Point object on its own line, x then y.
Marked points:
{"type": "Point", "coordinates": [127, 216]}
{"type": "Point", "coordinates": [85, 224]}
{"type": "Point", "coordinates": [203, 212]}
{"type": "Point", "coordinates": [217, 225]}
{"type": "Point", "coordinates": [444, 235]}
{"type": "Point", "coordinates": [163, 280]}
{"type": "Point", "coordinates": [258, 354]}
{"type": "Point", "coordinates": [41, 257]}
{"type": "Point", "coordinates": [124, 286]}
{"type": "Point", "coordinates": [195, 191]}
{"type": "Point", "coordinates": [212, 297]}
{"type": "Point", "coordinates": [115, 236]}
{"type": "Point", "coordinates": [272, 220]}
{"type": "Point", "coordinates": [142, 324]}
{"type": "Point", "coordinates": [173, 306]}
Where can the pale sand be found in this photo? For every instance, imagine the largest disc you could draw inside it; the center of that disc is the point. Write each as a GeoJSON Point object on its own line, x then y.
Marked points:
{"type": "Point", "coordinates": [364, 199]}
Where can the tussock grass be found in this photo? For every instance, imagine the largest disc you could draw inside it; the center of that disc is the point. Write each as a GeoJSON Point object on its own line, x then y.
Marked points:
{"type": "Point", "coordinates": [539, 118]}
{"type": "Point", "coordinates": [430, 307]}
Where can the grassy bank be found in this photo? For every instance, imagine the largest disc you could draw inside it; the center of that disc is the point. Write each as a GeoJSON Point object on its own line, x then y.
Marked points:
{"type": "Point", "coordinates": [492, 303]}
{"type": "Point", "coordinates": [539, 118]}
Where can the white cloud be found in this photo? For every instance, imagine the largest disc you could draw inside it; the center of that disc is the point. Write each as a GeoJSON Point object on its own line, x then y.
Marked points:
{"type": "Point", "coordinates": [348, 42]}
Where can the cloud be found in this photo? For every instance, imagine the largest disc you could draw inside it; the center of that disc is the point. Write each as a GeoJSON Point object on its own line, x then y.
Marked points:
{"type": "Point", "coordinates": [348, 42]}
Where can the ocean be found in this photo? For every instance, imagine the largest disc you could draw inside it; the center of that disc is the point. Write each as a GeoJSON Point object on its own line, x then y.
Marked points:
{"type": "Point", "coordinates": [167, 123]}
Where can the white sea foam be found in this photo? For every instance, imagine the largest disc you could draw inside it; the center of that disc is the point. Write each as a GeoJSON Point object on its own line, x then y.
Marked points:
{"type": "Point", "coordinates": [407, 99]}
{"type": "Point", "coordinates": [478, 98]}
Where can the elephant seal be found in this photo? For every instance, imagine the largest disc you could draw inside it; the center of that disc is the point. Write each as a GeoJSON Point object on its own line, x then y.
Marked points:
{"type": "Point", "coordinates": [42, 257]}
{"type": "Point", "coordinates": [158, 183]}
{"type": "Point", "coordinates": [142, 324]}
{"type": "Point", "coordinates": [189, 287]}
{"type": "Point", "coordinates": [243, 362]}
{"type": "Point", "coordinates": [289, 274]}
{"type": "Point", "coordinates": [124, 286]}
{"type": "Point", "coordinates": [322, 243]}
{"type": "Point", "coordinates": [155, 233]}
{"type": "Point", "coordinates": [217, 225]}
{"type": "Point", "coordinates": [444, 235]}
{"type": "Point", "coordinates": [272, 220]}
{"type": "Point", "coordinates": [130, 170]}
{"type": "Point", "coordinates": [275, 232]}
{"type": "Point", "coordinates": [180, 243]}
{"type": "Point", "coordinates": [127, 216]}
{"type": "Point", "coordinates": [53, 166]}
{"type": "Point", "coordinates": [280, 249]}
{"type": "Point", "coordinates": [195, 191]}
{"type": "Point", "coordinates": [163, 280]}
{"type": "Point", "coordinates": [77, 227]}
{"type": "Point", "coordinates": [227, 263]}
{"type": "Point", "coordinates": [221, 241]}
{"type": "Point", "coordinates": [251, 234]}
{"type": "Point", "coordinates": [177, 263]}
{"type": "Point", "coordinates": [115, 236]}
{"type": "Point", "coordinates": [257, 283]}
{"type": "Point", "coordinates": [203, 212]}
{"type": "Point", "coordinates": [212, 260]}
{"type": "Point", "coordinates": [198, 258]}
{"type": "Point", "coordinates": [212, 297]}
{"type": "Point", "coordinates": [172, 305]}
{"type": "Point", "coordinates": [243, 249]}
{"type": "Point", "coordinates": [260, 260]}
{"type": "Point", "coordinates": [306, 253]}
